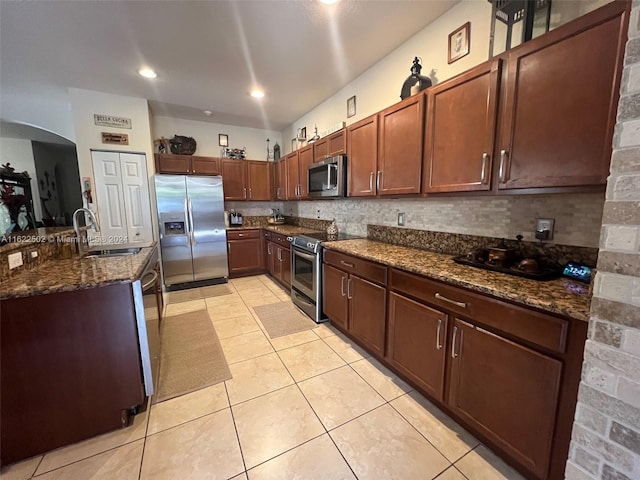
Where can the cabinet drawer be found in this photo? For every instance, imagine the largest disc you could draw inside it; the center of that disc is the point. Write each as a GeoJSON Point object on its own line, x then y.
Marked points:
{"type": "Point", "coordinates": [363, 268]}
{"type": "Point", "coordinates": [537, 328]}
{"type": "Point", "coordinates": [281, 239]}
{"type": "Point", "coordinates": [242, 234]}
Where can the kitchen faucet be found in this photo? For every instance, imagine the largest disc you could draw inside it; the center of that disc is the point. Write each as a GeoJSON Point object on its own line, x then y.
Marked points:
{"type": "Point", "coordinates": [82, 236]}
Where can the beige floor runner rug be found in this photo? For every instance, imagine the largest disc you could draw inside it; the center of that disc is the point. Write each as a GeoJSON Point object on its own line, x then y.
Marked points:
{"type": "Point", "coordinates": [191, 356]}
{"type": "Point", "coordinates": [283, 318]}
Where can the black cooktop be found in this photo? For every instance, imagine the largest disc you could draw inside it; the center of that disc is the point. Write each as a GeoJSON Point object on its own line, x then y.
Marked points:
{"type": "Point", "coordinates": [325, 237]}
{"type": "Point", "coordinates": [545, 272]}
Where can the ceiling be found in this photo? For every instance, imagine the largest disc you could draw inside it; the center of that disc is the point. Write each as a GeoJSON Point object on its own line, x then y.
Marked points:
{"type": "Point", "coordinates": [208, 54]}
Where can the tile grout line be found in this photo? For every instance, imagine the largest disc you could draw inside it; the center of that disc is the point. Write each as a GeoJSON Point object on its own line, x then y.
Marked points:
{"type": "Point", "coordinates": [235, 428]}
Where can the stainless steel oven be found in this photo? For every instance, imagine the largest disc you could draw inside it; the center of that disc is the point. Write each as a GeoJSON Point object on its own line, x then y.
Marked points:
{"type": "Point", "coordinates": [306, 276]}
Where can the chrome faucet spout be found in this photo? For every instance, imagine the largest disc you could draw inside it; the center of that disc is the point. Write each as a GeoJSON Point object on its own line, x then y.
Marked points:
{"type": "Point", "coordinates": [76, 227]}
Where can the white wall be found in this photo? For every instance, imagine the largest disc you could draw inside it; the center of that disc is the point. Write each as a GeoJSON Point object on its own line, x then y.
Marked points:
{"type": "Point", "coordinates": [86, 103]}
{"type": "Point", "coordinates": [379, 87]}
{"type": "Point", "coordinates": [206, 136]}
{"type": "Point", "coordinates": [19, 153]}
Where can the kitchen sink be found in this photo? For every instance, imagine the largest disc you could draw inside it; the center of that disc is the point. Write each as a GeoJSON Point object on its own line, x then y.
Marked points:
{"type": "Point", "coordinates": [112, 252]}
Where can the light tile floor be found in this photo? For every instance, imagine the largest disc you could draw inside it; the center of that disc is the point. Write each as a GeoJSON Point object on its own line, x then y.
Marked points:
{"type": "Point", "coordinates": [311, 405]}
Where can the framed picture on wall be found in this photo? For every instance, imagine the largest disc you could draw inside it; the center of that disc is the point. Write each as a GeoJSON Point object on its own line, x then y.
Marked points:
{"type": "Point", "coordinates": [223, 140]}
{"type": "Point", "coordinates": [460, 42]}
{"type": "Point", "coordinates": [351, 106]}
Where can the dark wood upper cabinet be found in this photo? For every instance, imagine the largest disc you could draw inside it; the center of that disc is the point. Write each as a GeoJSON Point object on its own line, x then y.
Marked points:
{"type": "Point", "coordinates": [460, 131]}
{"type": "Point", "coordinates": [187, 164]}
{"type": "Point", "coordinates": [362, 157]}
{"type": "Point", "coordinates": [330, 146]}
{"type": "Point", "coordinates": [234, 179]}
{"type": "Point", "coordinates": [280, 180]}
{"type": "Point", "coordinates": [400, 147]}
{"type": "Point", "coordinates": [293, 175]}
{"type": "Point", "coordinates": [305, 158]}
{"type": "Point", "coordinates": [259, 180]}
{"type": "Point", "coordinates": [560, 101]}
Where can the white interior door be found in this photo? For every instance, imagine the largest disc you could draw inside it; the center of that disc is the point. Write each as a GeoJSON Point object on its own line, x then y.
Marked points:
{"type": "Point", "coordinates": [136, 197]}
{"type": "Point", "coordinates": [110, 197]}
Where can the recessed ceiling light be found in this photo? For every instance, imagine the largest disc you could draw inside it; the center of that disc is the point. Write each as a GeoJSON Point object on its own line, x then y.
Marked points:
{"type": "Point", "coordinates": [147, 73]}
{"type": "Point", "coordinates": [257, 93]}
{"type": "Point", "coordinates": [208, 113]}
{"type": "Point", "coordinates": [329, 2]}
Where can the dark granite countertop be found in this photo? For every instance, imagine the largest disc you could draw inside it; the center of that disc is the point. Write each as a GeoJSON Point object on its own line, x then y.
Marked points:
{"type": "Point", "coordinates": [283, 229]}
{"type": "Point", "coordinates": [77, 273]}
{"type": "Point", "coordinates": [561, 296]}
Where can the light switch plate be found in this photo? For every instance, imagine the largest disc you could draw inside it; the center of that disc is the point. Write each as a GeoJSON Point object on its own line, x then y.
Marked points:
{"type": "Point", "coordinates": [15, 260]}
{"type": "Point", "coordinates": [401, 219]}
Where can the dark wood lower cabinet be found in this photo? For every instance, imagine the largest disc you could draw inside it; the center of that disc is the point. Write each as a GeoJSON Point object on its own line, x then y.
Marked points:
{"type": "Point", "coordinates": [67, 374]}
{"type": "Point", "coordinates": [507, 391]}
{"type": "Point", "coordinates": [244, 248]}
{"type": "Point", "coordinates": [279, 263]}
{"type": "Point", "coordinates": [416, 343]}
{"type": "Point", "coordinates": [508, 374]}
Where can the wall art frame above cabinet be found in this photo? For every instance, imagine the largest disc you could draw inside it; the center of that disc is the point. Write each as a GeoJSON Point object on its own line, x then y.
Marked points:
{"type": "Point", "coordinates": [459, 44]}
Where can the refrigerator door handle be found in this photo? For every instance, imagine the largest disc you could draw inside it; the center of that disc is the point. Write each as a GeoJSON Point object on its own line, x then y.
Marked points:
{"type": "Point", "coordinates": [188, 220]}
{"type": "Point", "coordinates": [191, 226]}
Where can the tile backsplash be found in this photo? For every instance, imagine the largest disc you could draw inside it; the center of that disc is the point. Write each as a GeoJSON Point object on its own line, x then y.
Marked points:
{"type": "Point", "coordinates": [578, 217]}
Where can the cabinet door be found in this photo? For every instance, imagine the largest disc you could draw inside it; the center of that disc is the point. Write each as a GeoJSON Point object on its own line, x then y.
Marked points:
{"type": "Point", "coordinates": [561, 101]}
{"type": "Point", "coordinates": [292, 176]}
{"type": "Point", "coordinates": [320, 149]}
{"type": "Point", "coordinates": [244, 256]}
{"type": "Point", "coordinates": [400, 150]}
{"type": "Point", "coordinates": [180, 164]}
{"type": "Point", "coordinates": [205, 166]}
{"type": "Point", "coordinates": [233, 179]}
{"type": "Point", "coordinates": [276, 266]}
{"type": "Point", "coordinates": [270, 257]}
{"type": "Point", "coordinates": [334, 295]}
{"type": "Point", "coordinates": [280, 180]}
{"type": "Point", "coordinates": [459, 141]}
{"type": "Point", "coordinates": [305, 159]}
{"type": "Point", "coordinates": [367, 312]}
{"type": "Point", "coordinates": [337, 143]}
{"type": "Point", "coordinates": [286, 266]}
{"type": "Point", "coordinates": [259, 180]}
{"type": "Point", "coordinates": [507, 391]}
{"type": "Point", "coordinates": [416, 340]}
{"type": "Point", "coordinates": [362, 157]}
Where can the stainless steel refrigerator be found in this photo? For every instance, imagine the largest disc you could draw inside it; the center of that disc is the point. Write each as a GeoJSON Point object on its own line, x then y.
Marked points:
{"type": "Point", "coordinates": [193, 238]}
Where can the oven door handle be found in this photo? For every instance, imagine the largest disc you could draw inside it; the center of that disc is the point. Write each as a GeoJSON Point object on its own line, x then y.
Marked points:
{"type": "Point", "coordinates": [302, 299]}
{"type": "Point", "coordinates": [154, 277]}
{"type": "Point", "coordinates": [306, 256]}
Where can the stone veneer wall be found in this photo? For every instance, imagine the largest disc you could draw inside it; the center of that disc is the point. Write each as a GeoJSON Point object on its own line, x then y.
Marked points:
{"type": "Point", "coordinates": [606, 433]}
{"type": "Point", "coordinates": [577, 216]}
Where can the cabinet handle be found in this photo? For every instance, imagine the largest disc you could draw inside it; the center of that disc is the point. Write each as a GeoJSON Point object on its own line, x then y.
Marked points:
{"type": "Point", "coordinates": [438, 344]}
{"type": "Point", "coordinates": [453, 343]}
{"type": "Point", "coordinates": [241, 234]}
{"type": "Point", "coordinates": [445, 299]}
{"type": "Point", "coordinates": [250, 193]}
{"type": "Point", "coordinates": [278, 192]}
{"type": "Point", "coordinates": [503, 166]}
{"type": "Point", "coordinates": [346, 264]}
{"type": "Point", "coordinates": [371, 182]}
{"type": "Point", "coordinates": [349, 296]}
{"type": "Point", "coordinates": [269, 248]}
{"type": "Point", "coordinates": [342, 286]}
{"type": "Point", "coordinates": [483, 176]}
{"type": "Point", "coordinates": [378, 177]}
{"type": "Point", "coordinates": [279, 255]}
{"type": "Point", "coordinates": [245, 193]}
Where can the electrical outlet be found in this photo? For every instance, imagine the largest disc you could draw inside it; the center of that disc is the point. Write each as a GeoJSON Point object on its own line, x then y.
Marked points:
{"type": "Point", "coordinates": [318, 213]}
{"type": "Point", "coordinates": [15, 260]}
{"type": "Point", "coordinates": [544, 228]}
{"type": "Point", "coordinates": [401, 219]}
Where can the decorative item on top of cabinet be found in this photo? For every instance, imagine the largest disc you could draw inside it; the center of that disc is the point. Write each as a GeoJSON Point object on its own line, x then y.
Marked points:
{"type": "Point", "coordinates": [459, 141]}
{"type": "Point", "coordinates": [237, 153]}
{"type": "Point", "coordinates": [276, 151]}
{"type": "Point", "coordinates": [315, 135]}
{"type": "Point", "coordinates": [413, 84]}
{"type": "Point", "coordinates": [556, 129]}
{"type": "Point", "coordinates": [181, 145]}
{"type": "Point", "coordinates": [535, 18]}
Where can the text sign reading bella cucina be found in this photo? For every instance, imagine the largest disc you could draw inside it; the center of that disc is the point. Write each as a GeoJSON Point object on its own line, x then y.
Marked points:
{"type": "Point", "coordinates": [111, 121]}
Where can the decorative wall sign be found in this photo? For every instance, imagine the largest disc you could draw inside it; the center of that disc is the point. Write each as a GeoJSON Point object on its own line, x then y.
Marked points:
{"type": "Point", "coordinates": [115, 138]}
{"type": "Point", "coordinates": [111, 121]}
{"type": "Point", "coordinates": [459, 42]}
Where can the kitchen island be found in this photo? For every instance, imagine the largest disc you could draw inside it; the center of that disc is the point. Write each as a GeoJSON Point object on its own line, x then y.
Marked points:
{"type": "Point", "coordinates": [76, 350]}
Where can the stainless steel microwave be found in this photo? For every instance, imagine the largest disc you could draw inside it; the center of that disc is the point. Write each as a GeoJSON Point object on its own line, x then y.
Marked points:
{"type": "Point", "coordinates": [328, 178]}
